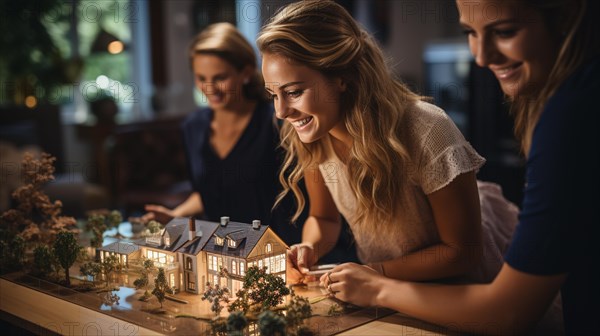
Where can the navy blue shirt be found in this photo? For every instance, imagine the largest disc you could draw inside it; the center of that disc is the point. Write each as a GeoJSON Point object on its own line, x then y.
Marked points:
{"type": "Point", "coordinates": [558, 229]}
{"type": "Point", "coordinates": [244, 184]}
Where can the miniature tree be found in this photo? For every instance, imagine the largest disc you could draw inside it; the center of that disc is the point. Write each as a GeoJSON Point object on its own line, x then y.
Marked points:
{"type": "Point", "coordinates": [3, 251]}
{"type": "Point", "coordinates": [236, 322]}
{"type": "Point", "coordinates": [109, 264]}
{"type": "Point", "coordinates": [215, 295]}
{"type": "Point", "coordinates": [304, 330]}
{"type": "Point", "coordinates": [272, 324]}
{"type": "Point", "coordinates": [99, 221]}
{"type": "Point", "coordinates": [335, 310]}
{"type": "Point", "coordinates": [42, 260]}
{"type": "Point", "coordinates": [96, 224]}
{"type": "Point", "coordinates": [66, 251]}
{"type": "Point", "coordinates": [110, 298]}
{"type": "Point", "coordinates": [36, 217]}
{"type": "Point", "coordinates": [114, 218]}
{"type": "Point", "coordinates": [143, 281]}
{"type": "Point", "coordinates": [218, 327]}
{"type": "Point", "coordinates": [154, 226]}
{"type": "Point", "coordinates": [91, 269]}
{"type": "Point", "coordinates": [297, 310]}
{"type": "Point", "coordinates": [259, 288]}
{"type": "Point", "coordinates": [14, 253]}
{"type": "Point", "coordinates": [161, 286]}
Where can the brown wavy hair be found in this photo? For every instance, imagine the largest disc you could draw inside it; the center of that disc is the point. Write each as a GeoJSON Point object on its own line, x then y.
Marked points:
{"type": "Point", "coordinates": [573, 22]}
{"type": "Point", "coordinates": [323, 36]}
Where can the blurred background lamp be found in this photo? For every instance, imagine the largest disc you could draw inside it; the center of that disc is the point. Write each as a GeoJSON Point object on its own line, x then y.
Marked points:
{"type": "Point", "coordinates": [115, 47]}
{"type": "Point", "coordinates": [107, 42]}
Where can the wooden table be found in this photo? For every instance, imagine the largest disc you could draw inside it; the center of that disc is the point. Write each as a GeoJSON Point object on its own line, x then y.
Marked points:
{"type": "Point", "coordinates": [48, 314]}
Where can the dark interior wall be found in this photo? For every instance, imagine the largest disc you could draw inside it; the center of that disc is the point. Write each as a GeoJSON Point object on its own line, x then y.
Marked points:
{"type": "Point", "coordinates": [41, 127]}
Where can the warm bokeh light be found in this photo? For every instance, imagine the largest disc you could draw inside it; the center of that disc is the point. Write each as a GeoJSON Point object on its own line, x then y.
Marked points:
{"type": "Point", "coordinates": [30, 101]}
{"type": "Point", "coordinates": [115, 47]}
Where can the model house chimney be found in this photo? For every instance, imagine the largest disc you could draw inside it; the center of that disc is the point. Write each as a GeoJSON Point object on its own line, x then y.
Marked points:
{"type": "Point", "coordinates": [224, 221]}
{"type": "Point", "coordinates": [256, 224]}
{"type": "Point", "coordinates": [192, 225]}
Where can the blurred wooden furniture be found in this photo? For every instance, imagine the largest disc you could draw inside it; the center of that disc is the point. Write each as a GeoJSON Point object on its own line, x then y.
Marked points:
{"type": "Point", "coordinates": [40, 126]}
{"type": "Point", "coordinates": [148, 164]}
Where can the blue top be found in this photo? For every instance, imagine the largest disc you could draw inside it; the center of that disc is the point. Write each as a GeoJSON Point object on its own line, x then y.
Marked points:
{"type": "Point", "coordinates": [244, 184]}
{"type": "Point", "coordinates": [558, 227]}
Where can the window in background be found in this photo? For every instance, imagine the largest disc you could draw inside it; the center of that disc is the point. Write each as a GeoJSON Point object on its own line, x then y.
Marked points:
{"type": "Point", "coordinates": [446, 76]}
{"type": "Point", "coordinates": [110, 42]}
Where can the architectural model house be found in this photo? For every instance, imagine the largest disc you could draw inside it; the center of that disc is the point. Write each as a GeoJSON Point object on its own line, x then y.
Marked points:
{"type": "Point", "coordinates": [193, 252]}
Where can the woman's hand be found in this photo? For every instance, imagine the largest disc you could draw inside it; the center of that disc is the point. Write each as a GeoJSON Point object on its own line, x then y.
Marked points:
{"type": "Point", "coordinates": [354, 283]}
{"type": "Point", "coordinates": [158, 213]}
{"type": "Point", "coordinates": [300, 258]}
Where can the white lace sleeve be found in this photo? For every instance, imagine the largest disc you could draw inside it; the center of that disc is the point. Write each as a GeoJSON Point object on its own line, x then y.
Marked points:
{"type": "Point", "coordinates": [445, 155]}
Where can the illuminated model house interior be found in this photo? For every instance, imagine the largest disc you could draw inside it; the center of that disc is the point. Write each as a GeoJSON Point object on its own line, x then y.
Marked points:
{"type": "Point", "coordinates": [193, 252]}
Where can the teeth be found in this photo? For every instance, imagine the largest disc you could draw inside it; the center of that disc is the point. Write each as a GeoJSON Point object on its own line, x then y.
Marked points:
{"type": "Point", "coordinates": [506, 70]}
{"type": "Point", "coordinates": [302, 122]}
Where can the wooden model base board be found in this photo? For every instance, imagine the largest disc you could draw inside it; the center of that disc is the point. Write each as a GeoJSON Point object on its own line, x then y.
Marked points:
{"type": "Point", "coordinates": [65, 311]}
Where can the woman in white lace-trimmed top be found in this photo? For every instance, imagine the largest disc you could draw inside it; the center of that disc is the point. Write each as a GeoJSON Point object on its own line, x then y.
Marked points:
{"type": "Point", "coordinates": [394, 166]}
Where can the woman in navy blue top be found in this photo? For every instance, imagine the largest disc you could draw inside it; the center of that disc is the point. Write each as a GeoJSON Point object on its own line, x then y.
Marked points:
{"type": "Point", "coordinates": [243, 183]}
{"type": "Point", "coordinates": [231, 145]}
{"type": "Point", "coordinates": [546, 57]}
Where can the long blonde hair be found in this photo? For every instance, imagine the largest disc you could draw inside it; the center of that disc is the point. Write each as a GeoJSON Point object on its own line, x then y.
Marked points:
{"type": "Point", "coordinates": [573, 22]}
{"type": "Point", "coordinates": [323, 36]}
{"type": "Point", "coordinates": [224, 40]}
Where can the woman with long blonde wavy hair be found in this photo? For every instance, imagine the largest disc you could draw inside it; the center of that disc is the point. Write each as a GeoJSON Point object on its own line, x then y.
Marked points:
{"type": "Point", "coordinates": [395, 166]}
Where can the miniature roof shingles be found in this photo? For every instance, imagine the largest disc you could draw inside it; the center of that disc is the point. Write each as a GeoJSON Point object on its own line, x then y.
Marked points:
{"type": "Point", "coordinates": [178, 232]}
{"type": "Point", "coordinates": [238, 231]}
{"type": "Point", "coordinates": [195, 246]}
{"type": "Point", "coordinates": [237, 235]}
{"type": "Point", "coordinates": [245, 236]}
{"type": "Point", "coordinates": [120, 248]}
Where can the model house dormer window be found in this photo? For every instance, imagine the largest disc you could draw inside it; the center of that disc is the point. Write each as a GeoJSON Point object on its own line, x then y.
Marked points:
{"type": "Point", "coordinates": [268, 248]}
{"type": "Point", "coordinates": [219, 241]}
{"type": "Point", "coordinates": [231, 243]}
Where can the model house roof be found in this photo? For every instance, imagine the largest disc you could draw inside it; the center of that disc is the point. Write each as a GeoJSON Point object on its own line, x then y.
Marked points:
{"type": "Point", "coordinates": [243, 233]}
{"type": "Point", "coordinates": [120, 248]}
{"type": "Point", "coordinates": [177, 231]}
{"type": "Point", "coordinates": [204, 232]}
